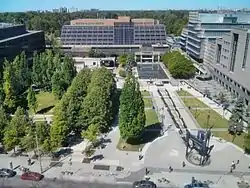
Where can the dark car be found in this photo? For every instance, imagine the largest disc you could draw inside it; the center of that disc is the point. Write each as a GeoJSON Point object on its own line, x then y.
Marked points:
{"type": "Point", "coordinates": [7, 173]}
{"type": "Point", "coordinates": [144, 184]}
{"type": "Point", "coordinates": [33, 176]}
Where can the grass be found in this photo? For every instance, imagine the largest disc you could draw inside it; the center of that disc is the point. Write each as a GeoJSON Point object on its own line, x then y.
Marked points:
{"type": "Point", "coordinates": [122, 145]}
{"type": "Point", "coordinates": [239, 139]}
{"type": "Point", "coordinates": [151, 117]}
{"type": "Point", "coordinates": [193, 102]}
{"type": "Point", "coordinates": [183, 93]}
{"type": "Point", "coordinates": [148, 102]}
{"type": "Point", "coordinates": [46, 101]}
{"type": "Point", "coordinates": [216, 120]}
{"type": "Point", "coordinates": [145, 93]}
{"type": "Point", "coordinates": [149, 135]}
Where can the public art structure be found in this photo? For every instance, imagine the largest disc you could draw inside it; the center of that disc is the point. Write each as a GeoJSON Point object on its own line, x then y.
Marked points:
{"type": "Point", "coordinates": [197, 146]}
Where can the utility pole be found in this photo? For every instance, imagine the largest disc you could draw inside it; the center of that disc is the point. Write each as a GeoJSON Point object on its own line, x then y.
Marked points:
{"type": "Point", "coordinates": [39, 155]}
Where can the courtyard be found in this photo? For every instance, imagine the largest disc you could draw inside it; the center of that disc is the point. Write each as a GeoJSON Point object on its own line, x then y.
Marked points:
{"type": "Point", "coordinates": [151, 71]}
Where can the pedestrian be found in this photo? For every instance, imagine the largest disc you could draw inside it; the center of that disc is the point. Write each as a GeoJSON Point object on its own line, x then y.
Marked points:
{"type": "Point", "coordinates": [231, 169]}
{"type": "Point", "coordinates": [233, 165]}
{"type": "Point", "coordinates": [183, 164]}
{"type": "Point", "coordinates": [170, 168]}
{"type": "Point", "coordinates": [11, 165]}
{"type": "Point", "coordinates": [29, 162]}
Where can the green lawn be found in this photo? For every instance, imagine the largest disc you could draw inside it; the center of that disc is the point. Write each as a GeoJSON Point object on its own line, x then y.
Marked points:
{"type": "Point", "coordinates": [46, 101]}
{"type": "Point", "coordinates": [148, 102]}
{"type": "Point", "coordinates": [151, 117]}
{"type": "Point", "coordinates": [122, 145]}
{"type": "Point", "coordinates": [239, 140]}
{"type": "Point", "coordinates": [183, 93]}
{"type": "Point", "coordinates": [194, 102]}
{"type": "Point", "coordinates": [215, 120]}
{"type": "Point", "coordinates": [145, 93]}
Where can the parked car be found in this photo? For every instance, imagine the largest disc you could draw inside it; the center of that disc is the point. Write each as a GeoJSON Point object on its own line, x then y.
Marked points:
{"type": "Point", "coordinates": [7, 173]}
{"type": "Point", "coordinates": [144, 184]}
{"type": "Point", "coordinates": [33, 176]}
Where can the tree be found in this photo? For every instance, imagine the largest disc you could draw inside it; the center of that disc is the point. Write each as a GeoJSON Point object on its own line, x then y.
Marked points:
{"type": "Point", "coordinates": [92, 133]}
{"type": "Point", "coordinates": [236, 119]}
{"type": "Point", "coordinates": [222, 97]}
{"type": "Point", "coordinates": [28, 142]}
{"type": "Point", "coordinates": [67, 110]}
{"type": "Point", "coordinates": [32, 101]}
{"type": "Point", "coordinates": [9, 87]}
{"type": "Point", "coordinates": [178, 65]}
{"type": "Point", "coordinates": [131, 116]}
{"type": "Point", "coordinates": [99, 105]}
{"type": "Point", "coordinates": [4, 121]}
{"type": "Point", "coordinates": [247, 140]}
{"type": "Point", "coordinates": [16, 129]}
{"type": "Point", "coordinates": [123, 60]}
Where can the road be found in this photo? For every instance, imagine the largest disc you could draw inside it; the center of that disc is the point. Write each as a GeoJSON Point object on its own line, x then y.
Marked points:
{"type": "Point", "coordinates": [15, 182]}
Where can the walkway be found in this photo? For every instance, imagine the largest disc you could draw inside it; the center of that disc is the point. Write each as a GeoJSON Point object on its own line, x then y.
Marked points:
{"type": "Point", "coordinates": [217, 108]}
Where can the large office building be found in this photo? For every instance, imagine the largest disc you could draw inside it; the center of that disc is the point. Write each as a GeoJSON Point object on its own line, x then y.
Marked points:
{"type": "Point", "coordinates": [229, 62]}
{"type": "Point", "coordinates": [14, 39]}
{"type": "Point", "coordinates": [116, 36]}
{"type": "Point", "coordinates": [120, 31]}
{"type": "Point", "coordinates": [207, 27]}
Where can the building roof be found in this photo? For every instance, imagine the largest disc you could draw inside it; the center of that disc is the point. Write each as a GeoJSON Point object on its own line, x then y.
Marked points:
{"type": "Point", "coordinates": [111, 22]}
{"type": "Point", "coordinates": [16, 37]}
{"type": "Point", "coordinates": [219, 17]}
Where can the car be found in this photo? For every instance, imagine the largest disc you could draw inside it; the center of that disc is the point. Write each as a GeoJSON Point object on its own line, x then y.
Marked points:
{"type": "Point", "coordinates": [33, 176]}
{"type": "Point", "coordinates": [7, 173]}
{"type": "Point", "coordinates": [144, 184]}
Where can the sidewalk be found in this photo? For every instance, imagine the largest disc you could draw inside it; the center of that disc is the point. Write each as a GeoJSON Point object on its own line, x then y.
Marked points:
{"type": "Point", "coordinates": [185, 114]}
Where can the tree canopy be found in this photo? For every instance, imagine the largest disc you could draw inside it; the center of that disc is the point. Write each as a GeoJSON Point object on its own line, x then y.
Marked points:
{"type": "Point", "coordinates": [178, 65]}
{"type": "Point", "coordinates": [53, 22]}
{"type": "Point", "coordinates": [131, 115]}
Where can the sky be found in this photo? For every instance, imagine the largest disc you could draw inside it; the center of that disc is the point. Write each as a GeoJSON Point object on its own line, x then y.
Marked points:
{"type": "Point", "coordinates": [27, 5]}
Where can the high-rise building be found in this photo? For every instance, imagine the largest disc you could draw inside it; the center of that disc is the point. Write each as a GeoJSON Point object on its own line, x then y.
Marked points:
{"type": "Point", "coordinates": [207, 27]}
{"type": "Point", "coordinates": [15, 39]}
{"type": "Point", "coordinates": [230, 62]}
{"type": "Point", "coordinates": [120, 31]}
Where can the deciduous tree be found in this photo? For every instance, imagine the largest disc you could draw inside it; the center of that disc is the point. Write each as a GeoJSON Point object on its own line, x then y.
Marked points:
{"type": "Point", "coordinates": [32, 100]}
{"type": "Point", "coordinates": [131, 116]}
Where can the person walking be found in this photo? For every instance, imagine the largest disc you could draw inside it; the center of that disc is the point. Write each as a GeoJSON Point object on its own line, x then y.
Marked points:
{"type": "Point", "coordinates": [183, 164]}
{"type": "Point", "coordinates": [11, 165]}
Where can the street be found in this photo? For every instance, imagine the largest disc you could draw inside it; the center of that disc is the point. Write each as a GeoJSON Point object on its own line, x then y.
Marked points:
{"type": "Point", "coordinates": [15, 182]}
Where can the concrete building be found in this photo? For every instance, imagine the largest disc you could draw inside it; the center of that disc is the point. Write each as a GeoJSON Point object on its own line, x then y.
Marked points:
{"type": "Point", "coordinates": [15, 39]}
{"type": "Point", "coordinates": [230, 62]}
{"type": "Point", "coordinates": [92, 63]}
{"type": "Point", "coordinates": [207, 27]}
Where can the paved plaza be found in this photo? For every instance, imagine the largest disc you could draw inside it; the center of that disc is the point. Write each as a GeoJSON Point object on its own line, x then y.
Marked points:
{"type": "Point", "coordinates": [169, 149]}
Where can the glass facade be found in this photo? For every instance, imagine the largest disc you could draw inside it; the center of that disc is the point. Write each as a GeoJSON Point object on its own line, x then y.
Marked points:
{"type": "Point", "coordinates": [121, 33]}
{"type": "Point", "coordinates": [205, 26]}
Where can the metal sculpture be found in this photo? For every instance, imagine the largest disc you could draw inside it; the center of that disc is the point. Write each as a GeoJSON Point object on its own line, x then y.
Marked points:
{"type": "Point", "coordinates": [199, 141]}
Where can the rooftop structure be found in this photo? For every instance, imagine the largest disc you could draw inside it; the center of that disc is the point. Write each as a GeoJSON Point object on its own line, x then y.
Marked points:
{"type": "Point", "coordinates": [203, 27]}
{"type": "Point", "coordinates": [15, 39]}
{"type": "Point", "coordinates": [120, 31]}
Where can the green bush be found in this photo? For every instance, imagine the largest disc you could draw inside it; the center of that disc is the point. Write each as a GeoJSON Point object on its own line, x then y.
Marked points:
{"type": "Point", "coordinates": [122, 73]}
{"type": "Point", "coordinates": [178, 65]}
